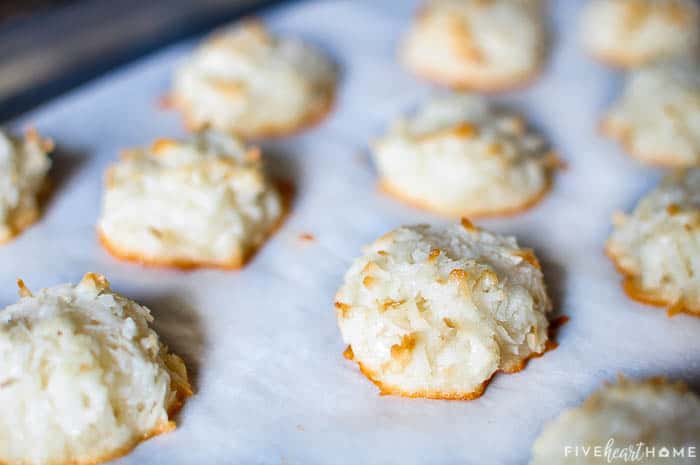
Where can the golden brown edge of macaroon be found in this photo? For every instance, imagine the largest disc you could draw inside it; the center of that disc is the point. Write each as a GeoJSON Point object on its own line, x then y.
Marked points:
{"type": "Point", "coordinates": [388, 188]}
{"type": "Point", "coordinates": [386, 389]}
{"type": "Point", "coordinates": [311, 119]}
{"type": "Point", "coordinates": [24, 221]}
{"type": "Point", "coordinates": [27, 219]}
{"type": "Point", "coordinates": [634, 290]}
{"type": "Point", "coordinates": [619, 61]}
{"type": "Point", "coordinates": [623, 136]}
{"type": "Point", "coordinates": [482, 85]}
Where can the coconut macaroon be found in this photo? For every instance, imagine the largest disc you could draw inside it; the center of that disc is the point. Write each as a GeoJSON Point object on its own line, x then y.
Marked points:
{"type": "Point", "coordinates": [459, 156]}
{"type": "Point", "coordinates": [204, 201]}
{"type": "Point", "coordinates": [657, 118]}
{"type": "Point", "coordinates": [253, 84]}
{"type": "Point", "coordinates": [642, 419]}
{"type": "Point", "coordinates": [436, 311]}
{"type": "Point", "coordinates": [83, 378]}
{"type": "Point", "coordinates": [657, 247]}
{"type": "Point", "coordinates": [476, 44]}
{"type": "Point", "coordinates": [630, 33]}
{"type": "Point", "coordinates": [24, 165]}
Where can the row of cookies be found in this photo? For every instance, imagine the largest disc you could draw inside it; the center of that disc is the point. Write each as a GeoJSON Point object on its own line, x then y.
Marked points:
{"type": "Point", "coordinates": [470, 45]}
{"type": "Point", "coordinates": [486, 249]}
{"type": "Point", "coordinates": [459, 156]}
{"type": "Point", "coordinates": [500, 141]}
{"type": "Point", "coordinates": [218, 185]}
{"type": "Point", "coordinates": [657, 120]}
{"type": "Point", "coordinates": [414, 351]}
{"type": "Point", "coordinates": [491, 45]}
{"type": "Point", "coordinates": [206, 201]}
{"type": "Point", "coordinates": [658, 42]}
{"type": "Point", "coordinates": [436, 312]}
{"type": "Point", "coordinates": [466, 43]}
{"type": "Point", "coordinates": [203, 201]}
{"type": "Point", "coordinates": [497, 45]}
{"type": "Point", "coordinates": [427, 312]}
{"type": "Point", "coordinates": [84, 359]}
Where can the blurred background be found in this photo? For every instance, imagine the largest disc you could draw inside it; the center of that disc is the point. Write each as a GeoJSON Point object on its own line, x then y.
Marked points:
{"type": "Point", "coordinates": [41, 55]}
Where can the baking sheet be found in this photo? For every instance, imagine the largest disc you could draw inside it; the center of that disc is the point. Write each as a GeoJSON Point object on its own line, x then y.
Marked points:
{"type": "Point", "coordinates": [262, 343]}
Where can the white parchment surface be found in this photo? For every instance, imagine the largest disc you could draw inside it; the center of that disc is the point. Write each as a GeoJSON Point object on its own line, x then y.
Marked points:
{"type": "Point", "coordinates": [262, 343]}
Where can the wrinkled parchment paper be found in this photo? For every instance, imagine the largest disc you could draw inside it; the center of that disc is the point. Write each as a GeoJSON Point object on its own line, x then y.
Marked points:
{"type": "Point", "coordinates": [262, 343]}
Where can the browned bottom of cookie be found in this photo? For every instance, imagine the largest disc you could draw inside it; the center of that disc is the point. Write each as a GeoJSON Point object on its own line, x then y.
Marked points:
{"type": "Point", "coordinates": [182, 264]}
{"type": "Point", "coordinates": [394, 191]}
{"type": "Point", "coordinates": [19, 224]}
{"type": "Point", "coordinates": [310, 120]}
{"type": "Point", "coordinates": [634, 290]}
{"type": "Point", "coordinates": [179, 383]}
{"type": "Point", "coordinates": [473, 83]}
{"type": "Point", "coordinates": [624, 137]}
{"type": "Point", "coordinates": [386, 389]}
{"type": "Point", "coordinates": [619, 60]}
{"type": "Point", "coordinates": [22, 221]}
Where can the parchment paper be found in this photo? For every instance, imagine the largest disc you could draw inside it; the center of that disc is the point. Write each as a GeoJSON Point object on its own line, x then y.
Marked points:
{"type": "Point", "coordinates": [262, 343]}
